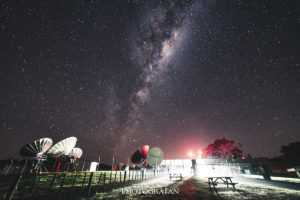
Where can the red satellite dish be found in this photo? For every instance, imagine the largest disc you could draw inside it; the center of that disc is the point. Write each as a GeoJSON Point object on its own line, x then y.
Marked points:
{"type": "Point", "coordinates": [144, 151]}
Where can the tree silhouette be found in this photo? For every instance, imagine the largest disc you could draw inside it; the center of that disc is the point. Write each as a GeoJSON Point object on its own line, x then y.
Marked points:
{"type": "Point", "coordinates": [223, 148]}
{"type": "Point", "coordinates": [291, 153]}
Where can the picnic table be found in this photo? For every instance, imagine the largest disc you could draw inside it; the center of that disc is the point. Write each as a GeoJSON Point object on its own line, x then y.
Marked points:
{"type": "Point", "coordinates": [214, 181]}
{"type": "Point", "coordinates": [295, 169]}
{"type": "Point", "coordinates": [175, 175]}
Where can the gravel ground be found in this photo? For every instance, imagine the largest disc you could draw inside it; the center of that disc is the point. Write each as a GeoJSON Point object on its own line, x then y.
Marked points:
{"type": "Point", "coordinates": [191, 188]}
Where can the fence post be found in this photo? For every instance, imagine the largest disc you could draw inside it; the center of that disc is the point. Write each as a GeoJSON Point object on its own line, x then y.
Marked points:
{"type": "Point", "coordinates": [62, 183]}
{"type": "Point", "coordinates": [143, 175]}
{"type": "Point", "coordinates": [10, 194]}
{"type": "Point", "coordinates": [52, 182]}
{"type": "Point", "coordinates": [83, 179]}
{"type": "Point", "coordinates": [104, 179]}
{"type": "Point", "coordinates": [124, 178]}
{"type": "Point", "coordinates": [133, 172]}
{"type": "Point", "coordinates": [110, 187]}
{"type": "Point", "coordinates": [98, 185]}
{"type": "Point", "coordinates": [74, 181]}
{"type": "Point", "coordinates": [90, 183]}
{"type": "Point", "coordinates": [31, 192]}
{"type": "Point", "coordinates": [115, 178]}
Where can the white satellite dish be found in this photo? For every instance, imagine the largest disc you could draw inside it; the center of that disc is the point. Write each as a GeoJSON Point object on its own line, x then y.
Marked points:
{"type": "Point", "coordinates": [63, 148]}
{"type": "Point", "coordinates": [36, 148]}
{"type": "Point", "coordinates": [75, 153]}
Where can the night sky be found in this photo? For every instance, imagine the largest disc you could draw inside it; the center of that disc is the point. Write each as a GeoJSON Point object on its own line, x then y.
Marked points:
{"type": "Point", "coordinates": [173, 74]}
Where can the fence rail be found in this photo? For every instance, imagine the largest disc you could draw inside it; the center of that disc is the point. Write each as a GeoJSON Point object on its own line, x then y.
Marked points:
{"type": "Point", "coordinates": [67, 185]}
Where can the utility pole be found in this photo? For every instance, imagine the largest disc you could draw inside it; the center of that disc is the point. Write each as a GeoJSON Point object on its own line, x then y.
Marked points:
{"type": "Point", "coordinates": [98, 164]}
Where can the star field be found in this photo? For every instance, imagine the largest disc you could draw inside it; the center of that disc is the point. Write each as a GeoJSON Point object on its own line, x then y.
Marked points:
{"type": "Point", "coordinates": [174, 74]}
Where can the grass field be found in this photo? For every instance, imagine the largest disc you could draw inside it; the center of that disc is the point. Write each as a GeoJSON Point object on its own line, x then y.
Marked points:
{"type": "Point", "coordinates": [111, 185]}
{"type": "Point", "coordinates": [69, 185]}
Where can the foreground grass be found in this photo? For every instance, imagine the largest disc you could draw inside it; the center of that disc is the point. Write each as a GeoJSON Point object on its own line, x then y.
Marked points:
{"type": "Point", "coordinates": [195, 188]}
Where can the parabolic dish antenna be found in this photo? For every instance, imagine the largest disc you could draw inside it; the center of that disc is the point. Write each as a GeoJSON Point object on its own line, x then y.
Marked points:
{"type": "Point", "coordinates": [63, 148]}
{"type": "Point", "coordinates": [136, 157]}
{"type": "Point", "coordinates": [155, 156]}
{"type": "Point", "coordinates": [76, 153]}
{"type": "Point", "coordinates": [36, 148]}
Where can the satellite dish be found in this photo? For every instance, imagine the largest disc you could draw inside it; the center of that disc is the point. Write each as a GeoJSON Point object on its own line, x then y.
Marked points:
{"type": "Point", "coordinates": [75, 153]}
{"type": "Point", "coordinates": [36, 148]}
{"type": "Point", "coordinates": [139, 156]}
{"type": "Point", "coordinates": [63, 148]}
{"type": "Point", "coordinates": [136, 157]}
{"type": "Point", "coordinates": [155, 156]}
{"type": "Point", "coordinates": [145, 150]}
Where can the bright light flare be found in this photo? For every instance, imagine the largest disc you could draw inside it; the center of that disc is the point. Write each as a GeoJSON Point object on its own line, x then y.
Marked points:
{"type": "Point", "coordinates": [191, 154]}
{"type": "Point", "coordinates": [200, 154]}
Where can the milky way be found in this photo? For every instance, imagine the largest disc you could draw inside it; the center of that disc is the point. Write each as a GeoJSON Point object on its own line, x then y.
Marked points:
{"type": "Point", "coordinates": [158, 33]}
{"type": "Point", "coordinates": [174, 74]}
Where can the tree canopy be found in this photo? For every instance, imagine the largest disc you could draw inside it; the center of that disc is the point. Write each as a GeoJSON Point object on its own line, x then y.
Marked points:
{"type": "Point", "coordinates": [223, 148]}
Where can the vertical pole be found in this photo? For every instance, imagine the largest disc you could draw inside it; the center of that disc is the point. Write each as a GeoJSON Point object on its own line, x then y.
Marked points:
{"type": "Point", "coordinates": [11, 162]}
{"type": "Point", "coordinates": [68, 166]}
{"type": "Point", "coordinates": [84, 179]}
{"type": "Point", "coordinates": [110, 179]}
{"type": "Point", "coordinates": [90, 183]}
{"type": "Point", "coordinates": [98, 185]}
{"type": "Point", "coordinates": [128, 163]}
{"type": "Point", "coordinates": [57, 169]}
{"type": "Point", "coordinates": [24, 167]}
{"type": "Point", "coordinates": [62, 183]}
{"type": "Point", "coordinates": [31, 192]}
{"type": "Point", "coordinates": [52, 182]}
{"type": "Point", "coordinates": [54, 164]}
{"type": "Point", "coordinates": [83, 163]}
{"type": "Point", "coordinates": [98, 163]}
{"type": "Point", "coordinates": [132, 175]}
{"type": "Point", "coordinates": [74, 181]}
{"type": "Point", "coordinates": [113, 162]}
{"type": "Point", "coordinates": [10, 194]}
{"type": "Point", "coordinates": [142, 175]}
{"type": "Point", "coordinates": [115, 178]}
{"type": "Point", "coordinates": [104, 179]}
{"type": "Point", "coordinates": [124, 178]}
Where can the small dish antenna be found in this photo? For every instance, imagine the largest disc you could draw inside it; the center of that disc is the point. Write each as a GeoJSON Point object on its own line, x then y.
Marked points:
{"type": "Point", "coordinates": [155, 156]}
{"type": "Point", "coordinates": [74, 154]}
{"type": "Point", "coordinates": [63, 148]}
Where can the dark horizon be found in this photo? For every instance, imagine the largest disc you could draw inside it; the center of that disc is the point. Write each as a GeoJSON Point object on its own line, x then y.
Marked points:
{"type": "Point", "coordinates": [173, 74]}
